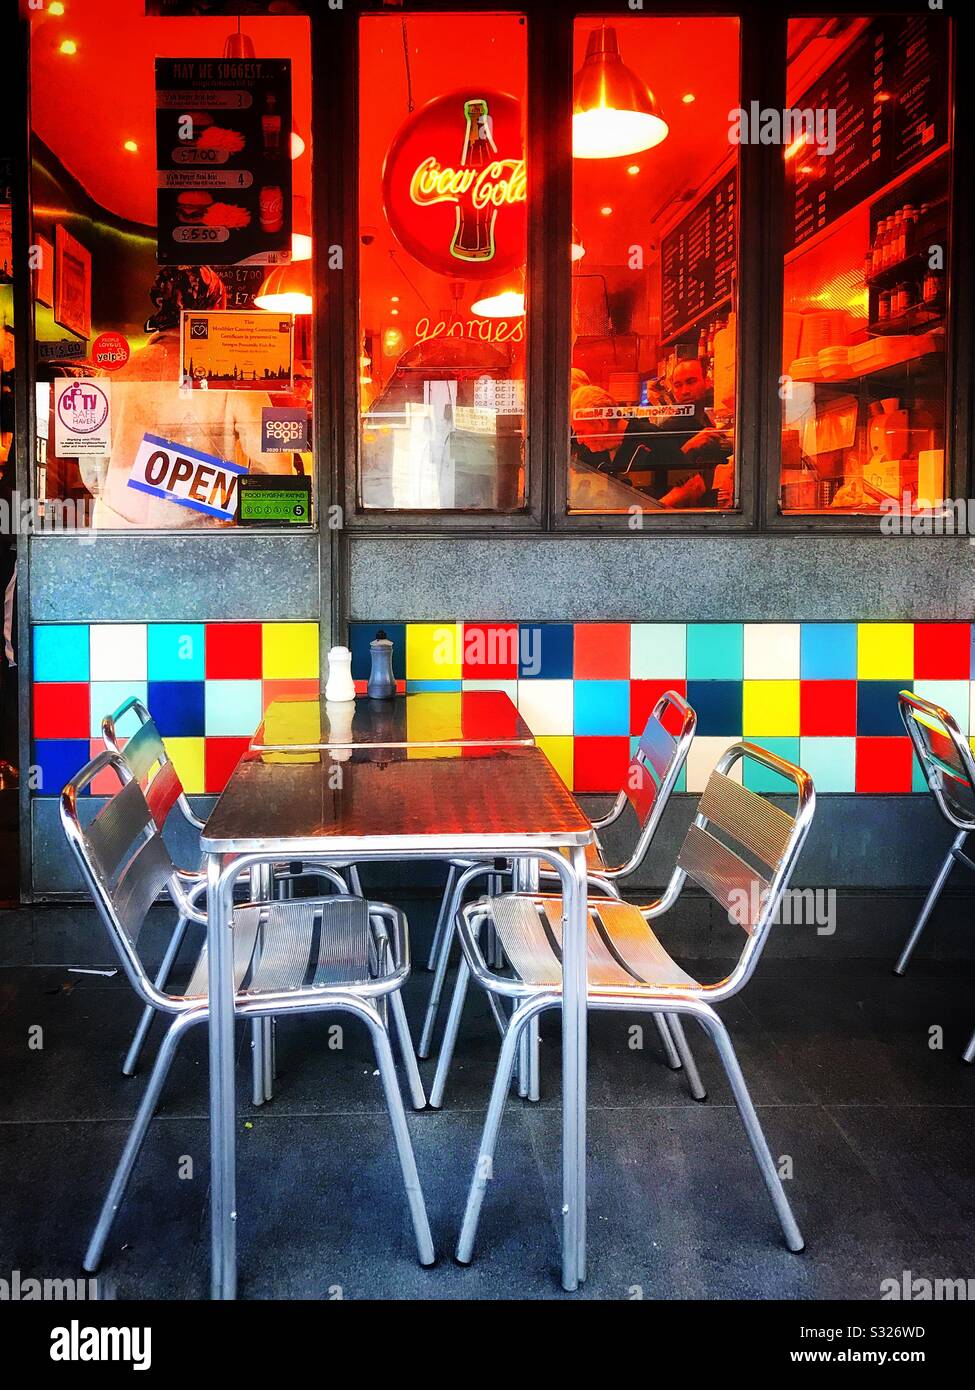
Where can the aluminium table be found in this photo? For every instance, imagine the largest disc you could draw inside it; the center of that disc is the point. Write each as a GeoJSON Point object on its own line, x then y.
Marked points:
{"type": "Point", "coordinates": [322, 805]}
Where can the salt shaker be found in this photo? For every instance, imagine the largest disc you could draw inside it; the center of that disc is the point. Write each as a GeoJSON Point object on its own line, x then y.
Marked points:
{"type": "Point", "coordinates": [339, 685]}
{"type": "Point", "coordinates": [382, 682]}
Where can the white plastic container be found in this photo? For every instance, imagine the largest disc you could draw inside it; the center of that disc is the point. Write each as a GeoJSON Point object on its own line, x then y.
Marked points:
{"type": "Point", "coordinates": [339, 687]}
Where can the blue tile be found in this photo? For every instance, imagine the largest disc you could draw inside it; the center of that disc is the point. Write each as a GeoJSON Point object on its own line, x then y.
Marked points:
{"type": "Point", "coordinates": [828, 651]}
{"type": "Point", "coordinates": [414, 687]}
{"type": "Point", "coordinates": [718, 705]}
{"type": "Point", "coordinates": [61, 652]}
{"type": "Point", "coordinates": [545, 651]}
{"type": "Point", "coordinates": [602, 707]}
{"type": "Point", "coordinates": [57, 761]}
{"type": "Point", "coordinates": [178, 707]}
{"type": "Point", "coordinates": [361, 634]}
{"type": "Point", "coordinates": [176, 651]}
{"type": "Point", "coordinates": [878, 714]}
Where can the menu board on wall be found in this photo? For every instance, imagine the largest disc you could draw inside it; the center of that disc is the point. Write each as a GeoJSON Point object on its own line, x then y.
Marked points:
{"type": "Point", "coordinates": [223, 156]}
{"type": "Point", "coordinates": [889, 92]}
{"type": "Point", "coordinates": [698, 259]}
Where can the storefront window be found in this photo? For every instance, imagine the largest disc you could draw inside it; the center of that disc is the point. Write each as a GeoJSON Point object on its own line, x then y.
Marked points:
{"type": "Point", "coordinates": [866, 265]}
{"type": "Point", "coordinates": [172, 276]}
{"type": "Point", "coordinates": [442, 213]}
{"type": "Point", "coordinates": [654, 262]}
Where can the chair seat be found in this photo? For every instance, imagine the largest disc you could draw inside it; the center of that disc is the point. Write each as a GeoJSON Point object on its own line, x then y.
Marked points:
{"type": "Point", "coordinates": [306, 942]}
{"type": "Point", "coordinates": [530, 931]}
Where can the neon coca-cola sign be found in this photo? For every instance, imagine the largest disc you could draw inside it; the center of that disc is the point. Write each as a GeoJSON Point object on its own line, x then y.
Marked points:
{"type": "Point", "coordinates": [454, 187]}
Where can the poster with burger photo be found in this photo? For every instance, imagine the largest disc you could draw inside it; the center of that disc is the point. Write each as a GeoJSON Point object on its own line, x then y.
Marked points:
{"type": "Point", "coordinates": [223, 160]}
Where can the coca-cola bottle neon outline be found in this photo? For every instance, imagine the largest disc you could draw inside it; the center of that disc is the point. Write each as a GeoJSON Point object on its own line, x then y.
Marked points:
{"type": "Point", "coordinates": [473, 238]}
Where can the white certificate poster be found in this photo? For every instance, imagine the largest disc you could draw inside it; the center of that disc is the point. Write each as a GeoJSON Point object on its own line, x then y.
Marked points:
{"type": "Point", "coordinates": [82, 418]}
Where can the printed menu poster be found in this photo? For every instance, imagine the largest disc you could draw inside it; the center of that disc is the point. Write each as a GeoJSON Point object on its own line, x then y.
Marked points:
{"type": "Point", "coordinates": [223, 156]}
{"type": "Point", "coordinates": [237, 350]}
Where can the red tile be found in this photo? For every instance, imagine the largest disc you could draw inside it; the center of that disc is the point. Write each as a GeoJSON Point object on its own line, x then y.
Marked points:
{"type": "Point", "coordinates": [220, 757]}
{"type": "Point", "coordinates": [107, 782]}
{"type": "Point", "coordinates": [828, 708]}
{"type": "Point", "coordinates": [290, 690]}
{"type": "Point", "coordinates": [602, 651]}
{"type": "Point", "coordinates": [942, 651]}
{"type": "Point", "coordinates": [644, 695]}
{"type": "Point", "coordinates": [62, 709]}
{"type": "Point", "coordinates": [490, 651]}
{"type": "Point", "coordinates": [599, 764]}
{"type": "Point", "coordinates": [234, 651]}
{"type": "Point", "coordinates": [362, 686]}
{"type": "Point", "coordinates": [488, 714]}
{"type": "Point", "coordinates": [883, 765]}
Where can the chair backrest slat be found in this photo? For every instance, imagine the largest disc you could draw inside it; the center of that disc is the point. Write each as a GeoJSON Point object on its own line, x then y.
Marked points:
{"type": "Point", "coordinates": [657, 746]}
{"type": "Point", "coordinates": [163, 792]}
{"type": "Point", "coordinates": [757, 824]}
{"type": "Point", "coordinates": [144, 877]}
{"type": "Point", "coordinates": [110, 837]}
{"type": "Point", "coordinates": [143, 750]}
{"type": "Point", "coordinates": [740, 889]}
{"type": "Point", "coordinates": [656, 763]}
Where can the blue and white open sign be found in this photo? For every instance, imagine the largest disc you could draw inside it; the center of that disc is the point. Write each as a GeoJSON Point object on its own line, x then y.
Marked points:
{"type": "Point", "coordinates": [186, 476]}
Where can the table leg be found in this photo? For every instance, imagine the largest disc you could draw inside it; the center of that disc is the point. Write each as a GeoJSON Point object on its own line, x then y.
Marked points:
{"type": "Point", "coordinates": [526, 878]}
{"type": "Point", "coordinates": [574, 1074]}
{"type": "Point", "coordinates": [223, 1182]}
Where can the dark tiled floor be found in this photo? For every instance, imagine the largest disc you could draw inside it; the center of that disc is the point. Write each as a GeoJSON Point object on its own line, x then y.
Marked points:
{"type": "Point", "coordinates": [875, 1124]}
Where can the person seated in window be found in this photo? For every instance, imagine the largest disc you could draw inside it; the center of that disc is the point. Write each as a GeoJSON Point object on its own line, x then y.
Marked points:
{"type": "Point", "coordinates": [690, 440]}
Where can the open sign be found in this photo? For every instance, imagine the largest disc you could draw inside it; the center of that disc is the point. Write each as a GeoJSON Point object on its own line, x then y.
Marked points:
{"type": "Point", "coordinates": [186, 477]}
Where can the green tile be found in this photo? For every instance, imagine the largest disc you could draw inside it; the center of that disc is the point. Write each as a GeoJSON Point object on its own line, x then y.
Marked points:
{"type": "Point", "coordinates": [763, 779]}
{"type": "Point", "coordinates": [658, 651]}
{"type": "Point", "coordinates": [830, 762]}
{"type": "Point", "coordinates": [715, 651]}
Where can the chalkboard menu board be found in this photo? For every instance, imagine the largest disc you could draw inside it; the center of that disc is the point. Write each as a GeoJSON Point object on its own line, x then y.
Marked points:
{"type": "Point", "coordinates": [890, 95]}
{"type": "Point", "coordinates": [698, 259]}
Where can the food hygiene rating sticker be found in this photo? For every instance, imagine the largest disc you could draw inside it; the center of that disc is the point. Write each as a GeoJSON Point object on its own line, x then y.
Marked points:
{"type": "Point", "coordinates": [187, 477]}
{"type": "Point", "coordinates": [274, 501]}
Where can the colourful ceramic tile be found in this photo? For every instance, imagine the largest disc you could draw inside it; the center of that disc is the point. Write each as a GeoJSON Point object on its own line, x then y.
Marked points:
{"type": "Point", "coordinates": [61, 652]}
{"type": "Point", "coordinates": [718, 705]}
{"type": "Point", "coordinates": [644, 696]}
{"type": "Point", "coordinates": [56, 761]}
{"type": "Point", "coordinates": [234, 651]}
{"type": "Point", "coordinates": [771, 651]}
{"type": "Point", "coordinates": [107, 696]}
{"type": "Point", "coordinates": [289, 690]}
{"type": "Point", "coordinates": [954, 696]}
{"type": "Point", "coordinates": [715, 651]}
{"type": "Point", "coordinates": [828, 651]}
{"type": "Point", "coordinates": [118, 652]}
{"type": "Point", "coordinates": [290, 651]}
{"type": "Point", "coordinates": [942, 651]}
{"type": "Point", "coordinates": [178, 708]}
{"type": "Point", "coordinates": [414, 687]}
{"type": "Point", "coordinates": [658, 651]}
{"type": "Point", "coordinates": [187, 755]}
{"type": "Point", "coordinates": [702, 757]}
{"type": "Point", "coordinates": [878, 710]}
{"type": "Point", "coordinates": [361, 634]}
{"type": "Point", "coordinates": [830, 762]}
{"type": "Point", "coordinates": [558, 749]}
{"type": "Point", "coordinates": [763, 779]}
{"type": "Point", "coordinates": [771, 708]}
{"type": "Point", "coordinates": [546, 706]}
{"type": "Point", "coordinates": [61, 710]}
{"type": "Point", "coordinates": [176, 651]}
{"type": "Point", "coordinates": [106, 782]}
{"type": "Point", "coordinates": [545, 651]}
{"type": "Point", "coordinates": [490, 651]}
{"type": "Point", "coordinates": [828, 709]}
{"type": "Point", "coordinates": [232, 707]}
{"type": "Point", "coordinates": [599, 764]}
{"type": "Point", "coordinates": [221, 756]}
{"type": "Point", "coordinates": [434, 651]}
{"type": "Point", "coordinates": [601, 707]}
{"type": "Point", "coordinates": [601, 651]}
{"type": "Point", "coordinates": [884, 764]}
{"type": "Point", "coordinates": [885, 651]}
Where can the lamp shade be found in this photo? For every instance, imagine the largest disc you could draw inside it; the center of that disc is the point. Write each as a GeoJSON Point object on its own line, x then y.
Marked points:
{"type": "Point", "coordinates": [239, 45]}
{"type": "Point", "coordinates": [287, 289]}
{"type": "Point", "coordinates": [505, 304]}
{"type": "Point", "coordinates": [614, 112]}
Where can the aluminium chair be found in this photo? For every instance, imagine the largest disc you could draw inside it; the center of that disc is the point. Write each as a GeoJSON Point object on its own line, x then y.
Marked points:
{"type": "Point", "coordinates": [332, 954]}
{"type": "Point", "coordinates": [741, 849]}
{"type": "Point", "coordinates": [650, 779]}
{"type": "Point", "coordinates": [945, 757]}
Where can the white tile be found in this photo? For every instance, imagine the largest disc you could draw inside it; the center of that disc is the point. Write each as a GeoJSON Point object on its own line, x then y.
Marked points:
{"type": "Point", "coordinates": [658, 651]}
{"type": "Point", "coordinates": [705, 752]}
{"type": "Point", "coordinates": [118, 652]}
{"type": "Point", "coordinates": [546, 706]}
{"type": "Point", "coordinates": [950, 695]}
{"type": "Point", "coordinates": [772, 651]}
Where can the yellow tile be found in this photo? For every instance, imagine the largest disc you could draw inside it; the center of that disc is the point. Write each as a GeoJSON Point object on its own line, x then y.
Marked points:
{"type": "Point", "coordinates": [433, 651]}
{"type": "Point", "coordinates": [187, 758]}
{"type": "Point", "coordinates": [293, 721]}
{"type": "Point", "coordinates": [425, 724]}
{"type": "Point", "coordinates": [885, 651]}
{"type": "Point", "coordinates": [290, 651]}
{"type": "Point", "coordinates": [558, 749]}
{"type": "Point", "coordinates": [770, 708]}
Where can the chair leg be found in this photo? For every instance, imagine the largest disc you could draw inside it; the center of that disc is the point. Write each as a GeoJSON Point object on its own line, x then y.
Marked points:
{"type": "Point", "coordinates": [934, 893]}
{"type": "Point", "coordinates": [687, 1057]}
{"type": "Point", "coordinates": [440, 975]}
{"type": "Point", "coordinates": [969, 1054]}
{"type": "Point", "coordinates": [670, 1051]}
{"type": "Point", "coordinates": [401, 1134]}
{"type": "Point", "coordinates": [442, 918]}
{"type": "Point", "coordinates": [148, 1013]}
{"type": "Point", "coordinates": [450, 1034]}
{"type": "Point", "coordinates": [534, 1061]}
{"type": "Point", "coordinates": [484, 1165]}
{"type": "Point", "coordinates": [355, 881]}
{"type": "Point", "coordinates": [719, 1034]}
{"type": "Point", "coordinates": [137, 1134]}
{"type": "Point", "coordinates": [417, 1094]}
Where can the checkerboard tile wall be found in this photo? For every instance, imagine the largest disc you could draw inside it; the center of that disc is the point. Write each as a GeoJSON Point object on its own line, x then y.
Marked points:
{"type": "Point", "coordinates": [206, 684]}
{"type": "Point", "coordinates": [821, 694]}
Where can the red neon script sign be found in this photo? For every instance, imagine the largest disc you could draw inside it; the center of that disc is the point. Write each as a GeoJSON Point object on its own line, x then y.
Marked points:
{"type": "Point", "coordinates": [454, 185]}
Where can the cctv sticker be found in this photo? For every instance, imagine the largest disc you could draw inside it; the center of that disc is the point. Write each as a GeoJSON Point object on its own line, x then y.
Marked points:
{"type": "Point", "coordinates": [186, 477]}
{"type": "Point", "coordinates": [283, 429]}
{"type": "Point", "coordinates": [82, 418]}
